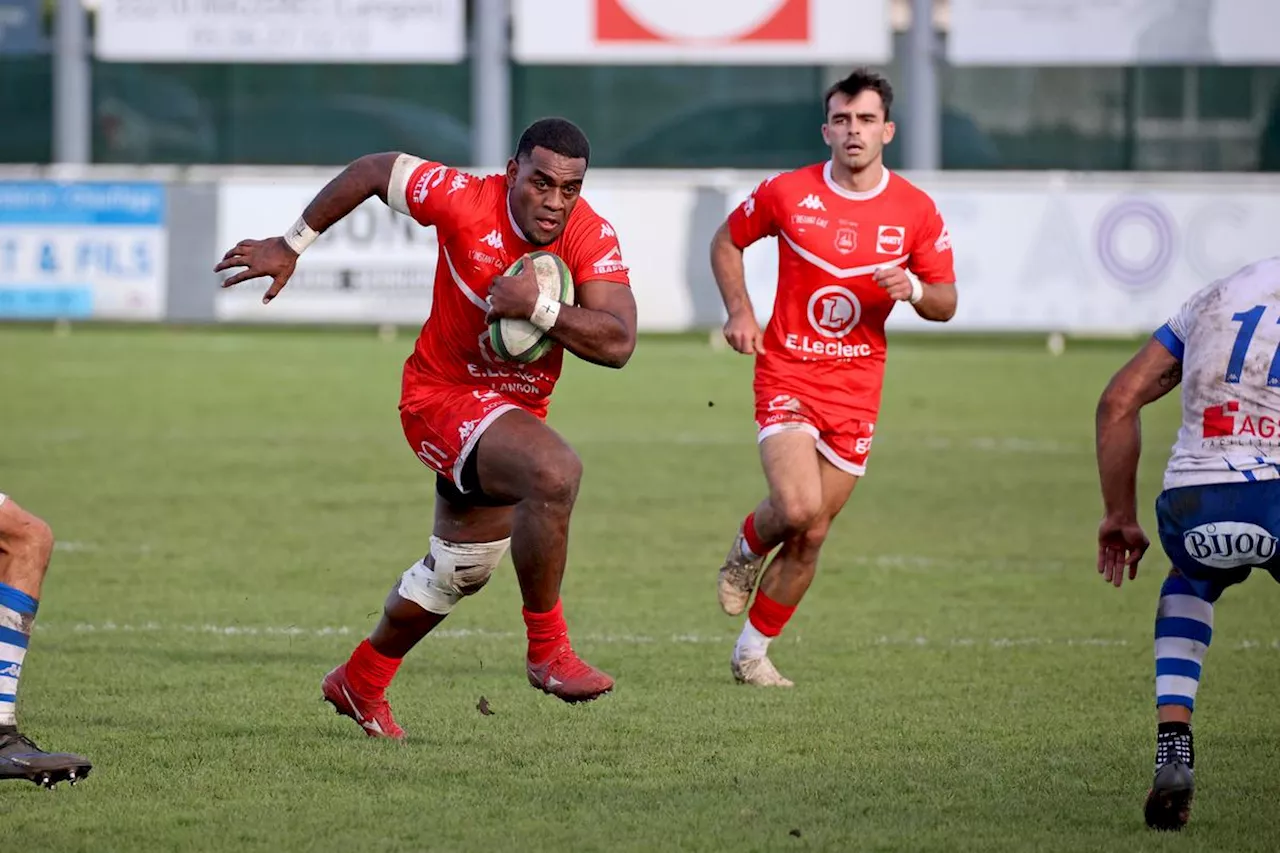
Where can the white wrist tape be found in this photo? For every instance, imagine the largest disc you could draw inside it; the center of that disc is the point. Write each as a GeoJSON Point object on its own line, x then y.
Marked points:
{"type": "Point", "coordinates": [545, 312]}
{"type": "Point", "coordinates": [300, 235]}
{"type": "Point", "coordinates": [917, 291]}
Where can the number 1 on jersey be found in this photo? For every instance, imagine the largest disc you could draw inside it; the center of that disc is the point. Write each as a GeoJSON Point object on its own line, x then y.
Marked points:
{"type": "Point", "coordinates": [1248, 321]}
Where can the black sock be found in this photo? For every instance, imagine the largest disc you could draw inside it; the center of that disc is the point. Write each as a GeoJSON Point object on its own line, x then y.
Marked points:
{"type": "Point", "coordinates": [8, 730]}
{"type": "Point", "coordinates": [1174, 743]}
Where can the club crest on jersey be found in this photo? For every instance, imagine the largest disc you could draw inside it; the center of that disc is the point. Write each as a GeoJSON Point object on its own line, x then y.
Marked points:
{"type": "Point", "coordinates": [846, 239]}
{"type": "Point", "coordinates": [834, 311]}
{"type": "Point", "coordinates": [890, 239]}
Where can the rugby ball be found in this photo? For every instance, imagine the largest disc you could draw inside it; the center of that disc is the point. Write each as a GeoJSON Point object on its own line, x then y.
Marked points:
{"type": "Point", "coordinates": [520, 340]}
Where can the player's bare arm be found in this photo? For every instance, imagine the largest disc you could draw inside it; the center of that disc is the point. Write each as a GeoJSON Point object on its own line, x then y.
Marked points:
{"type": "Point", "coordinates": [741, 329]}
{"type": "Point", "coordinates": [1148, 376]}
{"type": "Point", "coordinates": [937, 302]}
{"type": "Point", "coordinates": [600, 329]}
{"type": "Point", "coordinates": [276, 257]}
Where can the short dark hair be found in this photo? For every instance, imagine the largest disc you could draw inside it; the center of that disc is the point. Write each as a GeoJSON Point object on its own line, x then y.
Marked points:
{"type": "Point", "coordinates": [557, 135]}
{"type": "Point", "coordinates": [861, 80]}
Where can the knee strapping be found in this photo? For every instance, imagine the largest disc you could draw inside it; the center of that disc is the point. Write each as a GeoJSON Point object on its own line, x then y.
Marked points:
{"type": "Point", "coordinates": [450, 572]}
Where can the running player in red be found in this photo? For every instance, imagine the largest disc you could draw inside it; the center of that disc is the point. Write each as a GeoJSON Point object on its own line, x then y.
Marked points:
{"type": "Point", "coordinates": [848, 230]}
{"type": "Point", "coordinates": [503, 477]}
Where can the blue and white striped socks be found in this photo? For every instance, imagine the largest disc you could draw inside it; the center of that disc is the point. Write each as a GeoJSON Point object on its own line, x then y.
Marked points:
{"type": "Point", "coordinates": [17, 613]}
{"type": "Point", "coordinates": [1184, 627]}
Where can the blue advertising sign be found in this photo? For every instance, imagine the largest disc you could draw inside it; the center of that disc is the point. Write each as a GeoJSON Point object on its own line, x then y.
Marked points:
{"type": "Point", "coordinates": [82, 250]}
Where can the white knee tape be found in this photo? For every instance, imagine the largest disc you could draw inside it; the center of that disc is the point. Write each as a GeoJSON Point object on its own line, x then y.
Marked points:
{"type": "Point", "coordinates": [450, 571]}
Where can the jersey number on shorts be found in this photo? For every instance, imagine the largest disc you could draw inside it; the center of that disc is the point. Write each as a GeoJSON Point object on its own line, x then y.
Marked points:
{"type": "Point", "coordinates": [1249, 321]}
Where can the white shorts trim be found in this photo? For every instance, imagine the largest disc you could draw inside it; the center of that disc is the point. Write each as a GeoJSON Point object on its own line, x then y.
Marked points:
{"type": "Point", "coordinates": [3, 498]}
{"type": "Point", "coordinates": [790, 426]}
{"type": "Point", "coordinates": [481, 427]}
{"type": "Point", "coordinates": [840, 462]}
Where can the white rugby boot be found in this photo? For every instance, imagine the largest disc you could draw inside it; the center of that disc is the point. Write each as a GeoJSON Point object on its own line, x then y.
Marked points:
{"type": "Point", "coordinates": [738, 577]}
{"type": "Point", "coordinates": [757, 671]}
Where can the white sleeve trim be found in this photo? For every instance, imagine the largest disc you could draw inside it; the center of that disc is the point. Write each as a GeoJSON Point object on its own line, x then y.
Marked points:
{"type": "Point", "coordinates": [398, 187]}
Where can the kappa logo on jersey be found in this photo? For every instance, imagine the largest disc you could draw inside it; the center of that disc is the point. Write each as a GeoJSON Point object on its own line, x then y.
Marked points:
{"type": "Point", "coordinates": [427, 182]}
{"type": "Point", "coordinates": [890, 239]}
{"type": "Point", "coordinates": [494, 239]}
{"type": "Point", "coordinates": [1230, 544]}
{"type": "Point", "coordinates": [611, 262]}
{"type": "Point", "coordinates": [846, 239]}
{"type": "Point", "coordinates": [749, 206]}
{"type": "Point", "coordinates": [834, 311]}
{"type": "Point", "coordinates": [606, 230]}
{"type": "Point", "coordinates": [459, 182]}
{"type": "Point", "coordinates": [812, 202]}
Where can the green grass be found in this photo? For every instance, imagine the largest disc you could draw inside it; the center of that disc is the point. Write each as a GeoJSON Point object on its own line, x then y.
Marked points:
{"type": "Point", "coordinates": [233, 505]}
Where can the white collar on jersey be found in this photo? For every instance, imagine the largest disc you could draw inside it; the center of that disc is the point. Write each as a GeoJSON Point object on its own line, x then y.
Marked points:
{"type": "Point", "coordinates": [850, 194]}
{"type": "Point", "coordinates": [512, 219]}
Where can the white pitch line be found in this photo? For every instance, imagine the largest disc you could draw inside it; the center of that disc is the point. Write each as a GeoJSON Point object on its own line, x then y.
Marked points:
{"type": "Point", "coordinates": [608, 639]}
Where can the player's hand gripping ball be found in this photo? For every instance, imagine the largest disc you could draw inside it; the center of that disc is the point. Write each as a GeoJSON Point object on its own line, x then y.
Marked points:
{"type": "Point", "coordinates": [512, 300]}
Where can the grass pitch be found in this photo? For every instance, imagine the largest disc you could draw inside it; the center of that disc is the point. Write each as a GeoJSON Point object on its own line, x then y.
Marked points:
{"type": "Point", "coordinates": [232, 507]}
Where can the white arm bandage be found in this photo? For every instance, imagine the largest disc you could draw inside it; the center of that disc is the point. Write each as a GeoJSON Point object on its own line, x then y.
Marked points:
{"type": "Point", "coordinates": [917, 291]}
{"type": "Point", "coordinates": [398, 186]}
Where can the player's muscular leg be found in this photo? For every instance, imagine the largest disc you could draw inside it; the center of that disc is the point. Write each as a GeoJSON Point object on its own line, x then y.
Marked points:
{"type": "Point", "coordinates": [26, 543]}
{"type": "Point", "coordinates": [789, 575]}
{"type": "Point", "coordinates": [791, 466]}
{"type": "Point", "coordinates": [523, 460]}
{"type": "Point", "coordinates": [405, 622]}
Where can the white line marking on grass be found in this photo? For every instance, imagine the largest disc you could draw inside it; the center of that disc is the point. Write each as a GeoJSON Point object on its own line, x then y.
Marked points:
{"type": "Point", "coordinates": [73, 547]}
{"type": "Point", "coordinates": [607, 639]}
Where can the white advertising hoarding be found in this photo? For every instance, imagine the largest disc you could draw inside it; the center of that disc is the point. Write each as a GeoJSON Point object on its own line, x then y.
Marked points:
{"type": "Point", "coordinates": [377, 266]}
{"type": "Point", "coordinates": [1034, 252]}
{"type": "Point", "coordinates": [789, 32]}
{"type": "Point", "coordinates": [1114, 32]}
{"type": "Point", "coordinates": [274, 31]}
